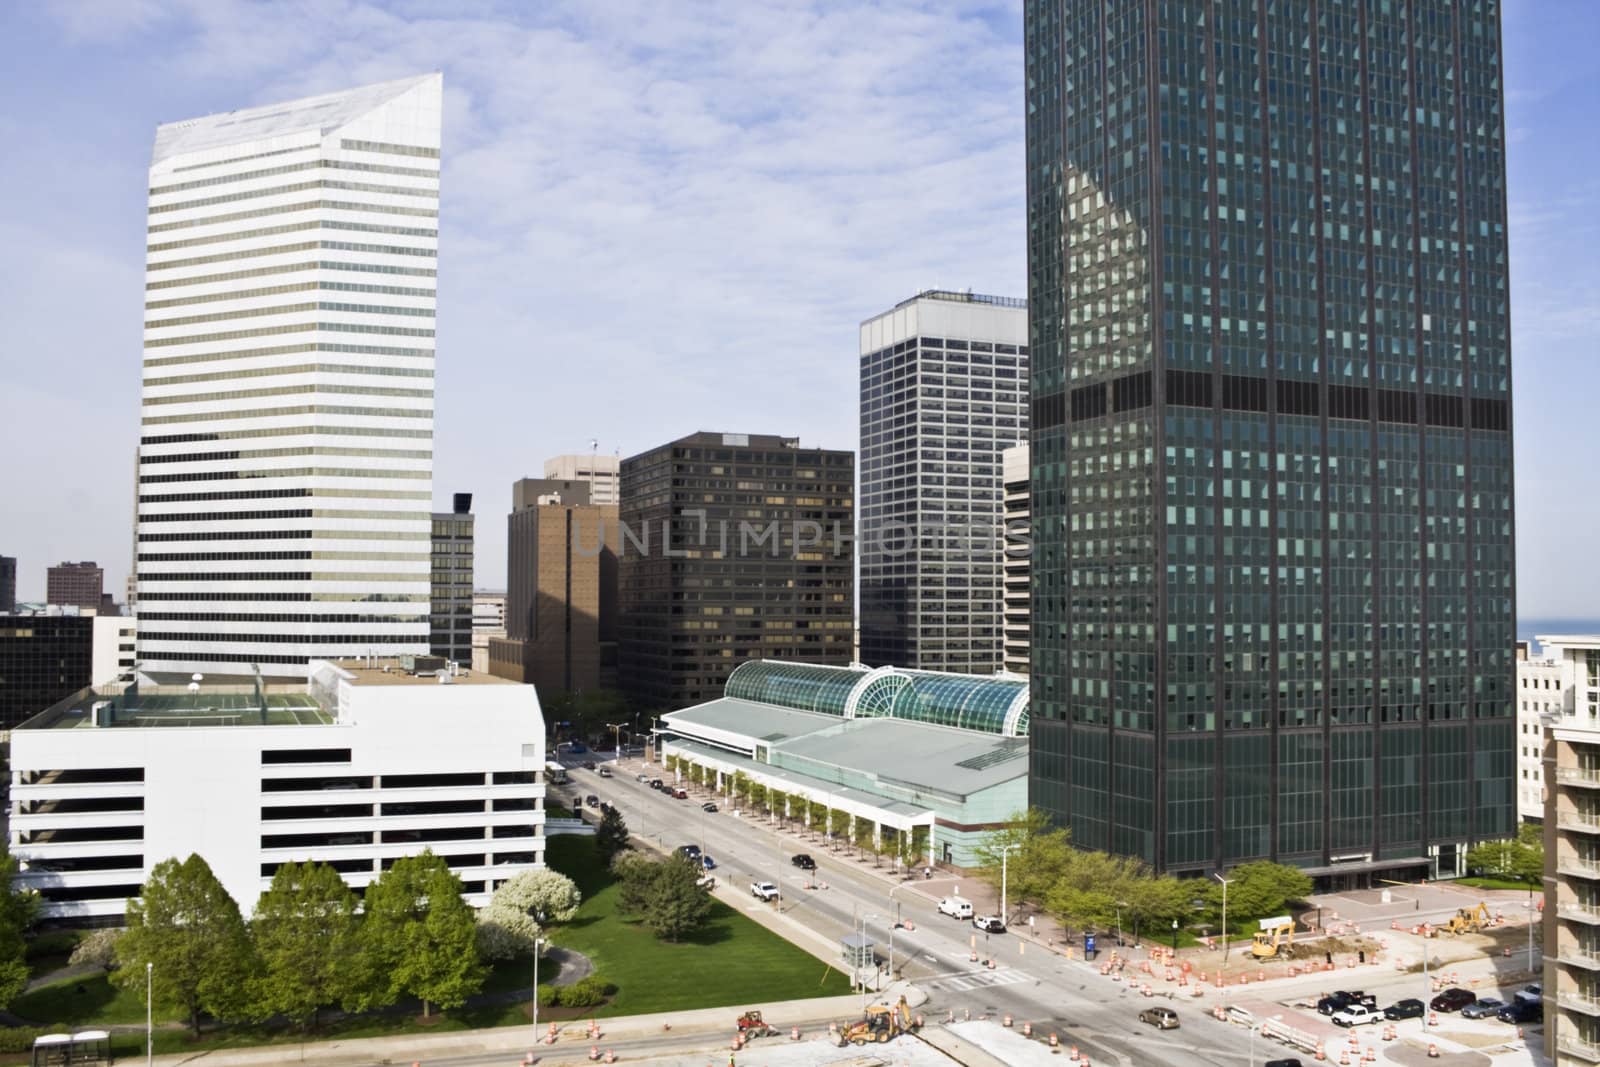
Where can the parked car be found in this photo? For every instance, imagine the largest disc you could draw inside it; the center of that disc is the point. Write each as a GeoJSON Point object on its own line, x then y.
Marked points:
{"type": "Point", "coordinates": [1284, 1063]}
{"type": "Point", "coordinates": [1410, 1008]}
{"type": "Point", "coordinates": [989, 924]}
{"type": "Point", "coordinates": [956, 907]}
{"type": "Point", "coordinates": [764, 890]}
{"type": "Point", "coordinates": [655, 783]}
{"type": "Point", "coordinates": [605, 772]}
{"type": "Point", "coordinates": [641, 777]}
{"type": "Point", "coordinates": [678, 793]}
{"type": "Point", "coordinates": [692, 851]}
{"type": "Point", "coordinates": [588, 765]}
{"type": "Point", "coordinates": [1482, 1008]}
{"type": "Point", "coordinates": [708, 863]}
{"type": "Point", "coordinates": [1452, 999]}
{"type": "Point", "coordinates": [803, 861]}
{"type": "Point", "coordinates": [1356, 1015]}
{"type": "Point", "coordinates": [592, 800]}
{"type": "Point", "coordinates": [1344, 998]}
{"type": "Point", "coordinates": [1160, 1018]}
{"type": "Point", "coordinates": [1533, 994]}
{"type": "Point", "coordinates": [708, 806]}
{"type": "Point", "coordinates": [1521, 1011]}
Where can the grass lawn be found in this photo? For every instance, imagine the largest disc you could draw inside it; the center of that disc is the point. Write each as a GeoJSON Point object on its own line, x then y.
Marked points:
{"type": "Point", "coordinates": [1498, 883]}
{"type": "Point", "coordinates": [85, 999]}
{"type": "Point", "coordinates": [732, 960]}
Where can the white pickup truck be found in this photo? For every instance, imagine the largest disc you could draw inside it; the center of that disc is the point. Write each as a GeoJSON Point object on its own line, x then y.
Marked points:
{"type": "Point", "coordinates": [1356, 1015]}
{"type": "Point", "coordinates": [764, 890]}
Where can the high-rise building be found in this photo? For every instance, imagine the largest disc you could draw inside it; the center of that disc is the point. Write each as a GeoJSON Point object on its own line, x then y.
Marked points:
{"type": "Point", "coordinates": [599, 473]}
{"type": "Point", "coordinates": [286, 456]}
{"type": "Point", "coordinates": [735, 546]}
{"type": "Point", "coordinates": [115, 640]}
{"type": "Point", "coordinates": [42, 659]}
{"type": "Point", "coordinates": [944, 389]}
{"type": "Point", "coordinates": [1014, 468]}
{"type": "Point", "coordinates": [1567, 679]}
{"type": "Point", "coordinates": [488, 620]}
{"type": "Point", "coordinates": [561, 589]}
{"type": "Point", "coordinates": [1541, 692]}
{"type": "Point", "coordinates": [1272, 494]}
{"type": "Point", "coordinates": [80, 585]}
{"type": "Point", "coordinates": [450, 616]}
{"type": "Point", "coordinates": [8, 584]}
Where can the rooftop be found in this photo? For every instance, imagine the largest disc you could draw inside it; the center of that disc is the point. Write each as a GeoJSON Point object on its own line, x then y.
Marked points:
{"type": "Point", "coordinates": [968, 297]}
{"type": "Point", "coordinates": [395, 672]}
{"type": "Point", "coordinates": [129, 704]}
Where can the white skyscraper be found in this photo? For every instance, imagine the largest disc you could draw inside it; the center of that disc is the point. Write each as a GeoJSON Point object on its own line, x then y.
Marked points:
{"type": "Point", "coordinates": [286, 445]}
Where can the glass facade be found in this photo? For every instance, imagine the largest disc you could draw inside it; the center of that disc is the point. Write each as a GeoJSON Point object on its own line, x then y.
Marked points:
{"type": "Point", "coordinates": [1271, 454]}
{"type": "Point", "coordinates": [807, 686]}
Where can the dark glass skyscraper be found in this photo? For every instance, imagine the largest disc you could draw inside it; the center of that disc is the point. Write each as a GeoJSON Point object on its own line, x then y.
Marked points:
{"type": "Point", "coordinates": [1272, 490]}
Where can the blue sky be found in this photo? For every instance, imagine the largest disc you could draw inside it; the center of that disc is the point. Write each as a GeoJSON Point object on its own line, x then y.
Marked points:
{"type": "Point", "coordinates": [658, 218]}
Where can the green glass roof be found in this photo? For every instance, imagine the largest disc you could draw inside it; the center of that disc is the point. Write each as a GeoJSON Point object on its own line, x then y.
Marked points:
{"type": "Point", "coordinates": [968, 701]}
{"type": "Point", "coordinates": [807, 686]}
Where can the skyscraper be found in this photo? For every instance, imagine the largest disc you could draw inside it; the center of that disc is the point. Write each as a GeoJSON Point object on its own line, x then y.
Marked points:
{"type": "Point", "coordinates": [450, 614]}
{"type": "Point", "coordinates": [80, 585]}
{"type": "Point", "coordinates": [597, 471]}
{"type": "Point", "coordinates": [944, 389]}
{"type": "Point", "coordinates": [8, 584]}
{"type": "Point", "coordinates": [286, 456]}
{"type": "Point", "coordinates": [734, 546]}
{"type": "Point", "coordinates": [1272, 564]}
{"type": "Point", "coordinates": [1014, 467]}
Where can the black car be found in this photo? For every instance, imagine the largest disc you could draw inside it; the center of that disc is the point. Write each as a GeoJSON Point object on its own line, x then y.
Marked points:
{"type": "Point", "coordinates": [1341, 999]}
{"type": "Point", "coordinates": [804, 862]}
{"type": "Point", "coordinates": [655, 783]}
{"type": "Point", "coordinates": [1521, 1011]}
{"type": "Point", "coordinates": [692, 851]}
{"type": "Point", "coordinates": [1283, 1063]}
{"type": "Point", "coordinates": [1453, 999]}
{"type": "Point", "coordinates": [588, 764]}
{"type": "Point", "coordinates": [592, 800]}
{"type": "Point", "coordinates": [1405, 1009]}
{"type": "Point", "coordinates": [708, 806]}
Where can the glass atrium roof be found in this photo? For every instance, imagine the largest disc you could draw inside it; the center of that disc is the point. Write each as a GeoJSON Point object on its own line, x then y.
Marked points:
{"type": "Point", "coordinates": [807, 686]}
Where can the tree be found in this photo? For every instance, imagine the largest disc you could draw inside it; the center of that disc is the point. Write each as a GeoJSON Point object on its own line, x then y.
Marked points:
{"type": "Point", "coordinates": [306, 930]}
{"type": "Point", "coordinates": [919, 845]}
{"type": "Point", "coordinates": [1257, 890]}
{"type": "Point", "coordinates": [18, 909]}
{"type": "Point", "coordinates": [671, 764]}
{"type": "Point", "coordinates": [589, 711]}
{"type": "Point", "coordinates": [742, 788]}
{"type": "Point", "coordinates": [839, 824]}
{"type": "Point", "coordinates": [186, 925]}
{"type": "Point", "coordinates": [99, 949]}
{"type": "Point", "coordinates": [863, 833]}
{"type": "Point", "coordinates": [1154, 902]}
{"type": "Point", "coordinates": [1037, 855]}
{"type": "Point", "coordinates": [665, 894]}
{"type": "Point", "coordinates": [420, 935]}
{"type": "Point", "coordinates": [818, 812]}
{"type": "Point", "coordinates": [611, 836]}
{"type": "Point", "coordinates": [889, 844]}
{"type": "Point", "coordinates": [521, 908]}
{"type": "Point", "coordinates": [1521, 860]}
{"type": "Point", "coordinates": [778, 802]}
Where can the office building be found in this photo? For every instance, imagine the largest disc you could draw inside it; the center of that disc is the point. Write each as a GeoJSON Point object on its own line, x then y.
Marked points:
{"type": "Point", "coordinates": [115, 644]}
{"type": "Point", "coordinates": [8, 584]}
{"type": "Point", "coordinates": [79, 585]}
{"type": "Point", "coordinates": [43, 658]}
{"type": "Point", "coordinates": [736, 546]}
{"type": "Point", "coordinates": [944, 390]}
{"type": "Point", "coordinates": [561, 589]}
{"type": "Point", "coordinates": [286, 449]}
{"type": "Point", "coordinates": [1541, 692]}
{"type": "Point", "coordinates": [1569, 680]}
{"type": "Point", "coordinates": [933, 757]}
{"type": "Point", "coordinates": [1014, 476]}
{"type": "Point", "coordinates": [1272, 472]}
{"type": "Point", "coordinates": [364, 762]}
{"type": "Point", "coordinates": [450, 616]}
{"type": "Point", "coordinates": [599, 473]}
{"type": "Point", "coordinates": [488, 621]}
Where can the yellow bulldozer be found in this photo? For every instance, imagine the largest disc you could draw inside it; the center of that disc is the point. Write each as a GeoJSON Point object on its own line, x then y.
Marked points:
{"type": "Point", "coordinates": [1275, 939]}
{"type": "Point", "coordinates": [880, 1023]}
{"type": "Point", "coordinates": [1468, 920]}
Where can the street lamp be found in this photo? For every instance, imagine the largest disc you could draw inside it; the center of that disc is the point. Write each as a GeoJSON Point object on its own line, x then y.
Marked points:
{"type": "Point", "coordinates": [892, 926]}
{"type": "Point", "coordinates": [1174, 936]}
{"type": "Point", "coordinates": [538, 943]}
{"type": "Point", "coordinates": [1529, 905]}
{"type": "Point", "coordinates": [1120, 905]}
{"type": "Point", "coordinates": [1225, 943]}
{"type": "Point", "coordinates": [1005, 853]}
{"type": "Point", "coordinates": [149, 1028]}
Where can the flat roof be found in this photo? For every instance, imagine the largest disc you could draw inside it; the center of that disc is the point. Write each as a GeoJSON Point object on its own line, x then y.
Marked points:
{"type": "Point", "coordinates": [389, 672]}
{"type": "Point", "coordinates": [808, 782]}
{"type": "Point", "coordinates": [917, 756]}
{"type": "Point", "coordinates": [159, 706]}
{"type": "Point", "coordinates": [767, 723]}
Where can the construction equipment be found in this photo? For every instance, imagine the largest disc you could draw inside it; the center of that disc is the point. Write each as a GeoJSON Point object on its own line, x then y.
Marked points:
{"type": "Point", "coordinates": [1275, 939]}
{"type": "Point", "coordinates": [1468, 920]}
{"type": "Point", "coordinates": [880, 1023]}
{"type": "Point", "coordinates": [752, 1025]}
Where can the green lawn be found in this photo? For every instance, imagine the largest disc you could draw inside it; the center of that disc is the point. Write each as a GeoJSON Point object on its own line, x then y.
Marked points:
{"type": "Point", "coordinates": [733, 960]}
{"type": "Point", "coordinates": [86, 999]}
{"type": "Point", "coordinates": [1498, 883]}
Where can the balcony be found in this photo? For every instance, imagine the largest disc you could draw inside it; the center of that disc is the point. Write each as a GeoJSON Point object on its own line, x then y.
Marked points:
{"type": "Point", "coordinates": [1569, 1045]}
{"type": "Point", "coordinates": [1585, 956]}
{"type": "Point", "coordinates": [1588, 1003]}
{"type": "Point", "coordinates": [1578, 821]}
{"type": "Point", "coordinates": [1577, 912]}
{"type": "Point", "coordinates": [1581, 777]}
{"type": "Point", "coordinates": [1578, 866]}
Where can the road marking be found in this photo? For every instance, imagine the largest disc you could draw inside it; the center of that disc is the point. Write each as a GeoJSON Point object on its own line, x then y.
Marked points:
{"type": "Point", "coordinates": [967, 980]}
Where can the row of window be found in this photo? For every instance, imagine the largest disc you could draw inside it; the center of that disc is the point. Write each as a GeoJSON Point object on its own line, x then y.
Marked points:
{"type": "Point", "coordinates": [268, 494]}
{"type": "Point", "coordinates": [270, 453]}
{"type": "Point", "coordinates": [287, 209]}
{"type": "Point", "coordinates": [290, 168]}
{"type": "Point", "coordinates": [294, 598]}
{"type": "Point", "coordinates": [286, 350]}
{"type": "Point", "coordinates": [234, 557]}
{"type": "Point", "coordinates": [299, 246]}
{"type": "Point", "coordinates": [285, 190]}
{"type": "Point", "coordinates": [281, 431]}
{"type": "Point", "coordinates": [303, 409]}
{"type": "Point", "coordinates": [285, 472]}
{"type": "Point", "coordinates": [293, 227]}
{"type": "Point", "coordinates": [287, 309]}
{"type": "Point", "coordinates": [291, 268]}
{"type": "Point", "coordinates": [288, 513]}
{"type": "Point", "coordinates": [301, 287]}
{"type": "Point", "coordinates": [286, 535]}
{"type": "Point", "coordinates": [269, 617]}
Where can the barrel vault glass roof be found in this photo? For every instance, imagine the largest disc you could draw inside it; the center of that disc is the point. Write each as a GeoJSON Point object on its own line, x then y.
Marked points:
{"type": "Point", "coordinates": [807, 686]}
{"type": "Point", "coordinates": [996, 704]}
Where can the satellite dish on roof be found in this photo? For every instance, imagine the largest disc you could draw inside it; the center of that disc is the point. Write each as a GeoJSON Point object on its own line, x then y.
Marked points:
{"type": "Point", "coordinates": [196, 676]}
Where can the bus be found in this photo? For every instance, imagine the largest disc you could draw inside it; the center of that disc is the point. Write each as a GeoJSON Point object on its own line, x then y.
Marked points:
{"type": "Point", "coordinates": [555, 774]}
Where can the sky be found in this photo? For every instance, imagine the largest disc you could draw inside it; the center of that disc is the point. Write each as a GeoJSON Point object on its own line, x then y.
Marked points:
{"type": "Point", "coordinates": [657, 219]}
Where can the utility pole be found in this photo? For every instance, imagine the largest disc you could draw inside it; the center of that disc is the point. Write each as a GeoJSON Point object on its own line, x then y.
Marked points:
{"type": "Point", "coordinates": [1225, 942]}
{"type": "Point", "coordinates": [1005, 854]}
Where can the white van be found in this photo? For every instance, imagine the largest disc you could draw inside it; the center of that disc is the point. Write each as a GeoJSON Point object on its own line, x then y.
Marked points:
{"type": "Point", "coordinates": [956, 907]}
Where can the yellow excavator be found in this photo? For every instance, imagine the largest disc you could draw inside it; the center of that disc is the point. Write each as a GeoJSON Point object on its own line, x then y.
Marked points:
{"type": "Point", "coordinates": [1275, 939]}
{"type": "Point", "coordinates": [1468, 920]}
{"type": "Point", "coordinates": [880, 1023]}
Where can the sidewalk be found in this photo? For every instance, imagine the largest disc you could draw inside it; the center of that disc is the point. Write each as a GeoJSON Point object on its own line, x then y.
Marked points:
{"type": "Point", "coordinates": [514, 1042]}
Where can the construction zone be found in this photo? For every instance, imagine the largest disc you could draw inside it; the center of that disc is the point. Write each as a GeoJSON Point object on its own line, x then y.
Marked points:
{"type": "Point", "coordinates": [880, 1023]}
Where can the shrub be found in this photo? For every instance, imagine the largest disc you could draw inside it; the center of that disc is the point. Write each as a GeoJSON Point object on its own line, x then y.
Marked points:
{"type": "Point", "coordinates": [53, 943]}
{"type": "Point", "coordinates": [98, 949]}
{"type": "Point", "coordinates": [585, 992]}
{"type": "Point", "coordinates": [20, 1038]}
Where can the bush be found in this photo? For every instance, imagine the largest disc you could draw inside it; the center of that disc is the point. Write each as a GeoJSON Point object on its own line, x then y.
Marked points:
{"type": "Point", "coordinates": [99, 949]}
{"type": "Point", "coordinates": [53, 943]}
{"type": "Point", "coordinates": [585, 992]}
{"type": "Point", "coordinates": [20, 1038]}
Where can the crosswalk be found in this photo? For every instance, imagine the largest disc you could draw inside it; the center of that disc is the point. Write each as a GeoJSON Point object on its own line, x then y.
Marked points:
{"type": "Point", "coordinates": [962, 981]}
